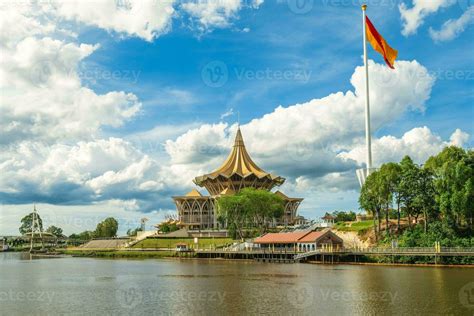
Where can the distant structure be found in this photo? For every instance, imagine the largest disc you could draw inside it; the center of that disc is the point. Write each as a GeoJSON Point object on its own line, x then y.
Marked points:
{"type": "Point", "coordinates": [328, 220]}
{"type": "Point", "coordinates": [35, 229]}
{"type": "Point", "coordinates": [196, 211]}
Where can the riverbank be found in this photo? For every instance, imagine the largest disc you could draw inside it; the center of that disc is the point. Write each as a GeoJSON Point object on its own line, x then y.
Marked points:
{"type": "Point", "coordinates": [119, 254]}
{"type": "Point", "coordinates": [153, 254]}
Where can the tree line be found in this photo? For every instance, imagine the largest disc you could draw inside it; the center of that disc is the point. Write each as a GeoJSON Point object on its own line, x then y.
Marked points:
{"type": "Point", "coordinates": [249, 212]}
{"type": "Point", "coordinates": [440, 193]}
{"type": "Point", "coordinates": [105, 229]}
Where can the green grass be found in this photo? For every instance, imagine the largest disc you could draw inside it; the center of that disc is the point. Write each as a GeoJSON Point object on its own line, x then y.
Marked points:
{"type": "Point", "coordinates": [359, 227]}
{"type": "Point", "coordinates": [172, 242]}
{"type": "Point", "coordinates": [119, 254]}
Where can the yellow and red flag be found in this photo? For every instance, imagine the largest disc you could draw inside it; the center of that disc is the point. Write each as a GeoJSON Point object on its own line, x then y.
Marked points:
{"type": "Point", "coordinates": [379, 44]}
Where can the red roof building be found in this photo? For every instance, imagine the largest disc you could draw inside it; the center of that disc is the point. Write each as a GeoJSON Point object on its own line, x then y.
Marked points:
{"type": "Point", "coordinates": [300, 241]}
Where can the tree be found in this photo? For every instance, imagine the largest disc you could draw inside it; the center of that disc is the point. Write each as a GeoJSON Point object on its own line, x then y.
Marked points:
{"type": "Point", "coordinates": [107, 228]}
{"type": "Point", "coordinates": [56, 231]}
{"type": "Point", "coordinates": [133, 232]}
{"type": "Point", "coordinates": [262, 207]}
{"type": "Point", "coordinates": [371, 199]}
{"type": "Point", "coordinates": [344, 216]}
{"type": "Point", "coordinates": [424, 198]}
{"type": "Point", "coordinates": [233, 209]}
{"type": "Point", "coordinates": [391, 177]}
{"type": "Point", "coordinates": [453, 171]}
{"type": "Point", "coordinates": [85, 235]}
{"type": "Point", "coordinates": [250, 208]}
{"type": "Point", "coordinates": [27, 221]}
{"type": "Point", "coordinates": [408, 186]}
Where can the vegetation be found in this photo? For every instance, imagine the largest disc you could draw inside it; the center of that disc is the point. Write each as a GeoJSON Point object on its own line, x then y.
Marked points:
{"type": "Point", "coordinates": [360, 227]}
{"type": "Point", "coordinates": [133, 232]}
{"type": "Point", "coordinates": [27, 221]}
{"type": "Point", "coordinates": [107, 228]}
{"type": "Point", "coordinates": [344, 216]}
{"type": "Point", "coordinates": [56, 231]}
{"type": "Point", "coordinates": [172, 242]}
{"type": "Point", "coordinates": [167, 227]}
{"type": "Point", "coordinates": [439, 193]}
{"type": "Point", "coordinates": [85, 235]}
{"type": "Point", "coordinates": [119, 254]}
{"type": "Point", "coordinates": [250, 211]}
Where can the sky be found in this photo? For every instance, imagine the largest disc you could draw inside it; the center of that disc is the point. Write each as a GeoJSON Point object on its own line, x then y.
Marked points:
{"type": "Point", "coordinates": [110, 108]}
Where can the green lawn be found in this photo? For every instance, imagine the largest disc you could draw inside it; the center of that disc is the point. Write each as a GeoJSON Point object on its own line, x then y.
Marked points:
{"type": "Point", "coordinates": [119, 254]}
{"type": "Point", "coordinates": [171, 242]}
{"type": "Point", "coordinates": [354, 226]}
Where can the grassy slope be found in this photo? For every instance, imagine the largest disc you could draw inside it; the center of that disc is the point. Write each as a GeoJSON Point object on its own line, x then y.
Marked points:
{"type": "Point", "coordinates": [354, 226]}
{"type": "Point", "coordinates": [119, 254]}
{"type": "Point", "coordinates": [171, 242]}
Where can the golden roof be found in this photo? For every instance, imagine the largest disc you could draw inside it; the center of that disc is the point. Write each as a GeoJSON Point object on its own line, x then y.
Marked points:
{"type": "Point", "coordinates": [238, 162]}
{"type": "Point", "coordinates": [193, 192]}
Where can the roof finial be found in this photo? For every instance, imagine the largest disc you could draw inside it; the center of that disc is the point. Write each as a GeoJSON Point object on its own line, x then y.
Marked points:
{"type": "Point", "coordinates": [238, 119]}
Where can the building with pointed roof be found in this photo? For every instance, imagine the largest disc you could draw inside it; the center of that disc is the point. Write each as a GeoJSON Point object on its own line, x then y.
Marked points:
{"type": "Point", "coordinates": [238, 171]}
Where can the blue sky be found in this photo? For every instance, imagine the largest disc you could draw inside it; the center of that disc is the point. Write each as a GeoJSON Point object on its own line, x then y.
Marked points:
{"type": "Point", "coordinates": [325, 42]}
{"type": "Point", "coordinates": [111, 110]}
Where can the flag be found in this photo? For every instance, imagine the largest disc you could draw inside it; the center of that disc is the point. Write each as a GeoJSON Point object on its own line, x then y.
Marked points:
{"type": "Point", "coordinates": [380, 45]}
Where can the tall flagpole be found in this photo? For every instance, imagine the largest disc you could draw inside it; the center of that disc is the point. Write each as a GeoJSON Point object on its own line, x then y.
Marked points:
{"type": "Point", "coordinates": [367, 101]}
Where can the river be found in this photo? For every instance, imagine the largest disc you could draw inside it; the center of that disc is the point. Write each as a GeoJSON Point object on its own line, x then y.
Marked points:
{"type": "Point", "coordinates": [78, 286]}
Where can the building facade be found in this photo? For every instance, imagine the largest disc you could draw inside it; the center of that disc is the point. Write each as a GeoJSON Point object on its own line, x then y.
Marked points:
{"type": "Point", "coordinates": [197, 211]}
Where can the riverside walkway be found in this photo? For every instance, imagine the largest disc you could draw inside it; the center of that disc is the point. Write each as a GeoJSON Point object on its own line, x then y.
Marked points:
{"type": "Point", "coordinates": [329, 254]}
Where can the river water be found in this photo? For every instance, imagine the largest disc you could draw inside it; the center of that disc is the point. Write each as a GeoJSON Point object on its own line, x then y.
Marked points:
{"type": "Point", "coordinates": [78, 286]}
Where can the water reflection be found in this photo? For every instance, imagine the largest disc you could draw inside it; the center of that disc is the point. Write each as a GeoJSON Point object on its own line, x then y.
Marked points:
{"type": "Point", "coordinates": [194, 287]}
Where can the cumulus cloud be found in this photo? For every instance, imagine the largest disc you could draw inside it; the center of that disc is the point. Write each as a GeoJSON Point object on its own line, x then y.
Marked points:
{"type": "Point", "coordinates": [76, 174]}
{"type": "Point", "coordinates": [303, 141]}
{"type": "Point", "coordinates": [419, 143]}
{"type": "Point", "coordinates": [210, 13]}
{"type": "Point", "coordinates": [146, 19]}
{"type": "Point", "coordinates": [44, 97]}
{"type": "Point", "coordinates": [453, 28]}
{"type": "Point", "coordinates": [414, 17]}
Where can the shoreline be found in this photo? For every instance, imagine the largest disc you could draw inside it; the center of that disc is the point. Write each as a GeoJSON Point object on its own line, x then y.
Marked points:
{"type": "Point", "coordinates": [140, 255]}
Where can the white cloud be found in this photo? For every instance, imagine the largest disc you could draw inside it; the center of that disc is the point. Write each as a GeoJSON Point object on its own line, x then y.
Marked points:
{"type": "Point", "coordinates": [146, 19]}
{"type": "Point", "coordinates": [81, 173]}
{"type": "Point", "coordinates": [459, 138]}
{"type": "Point", "coordinates": [216, 13]}
{"type": "Point", "coordinates": [414, 17]}
{"type": "Point", "coordinates": [419, 143]}
{"type": "Point", "coordinates": [452, 28]}
{"type": "Point", "coordinates": [304, 140]}
{"type": "Point", "coordinates": [44, 98]}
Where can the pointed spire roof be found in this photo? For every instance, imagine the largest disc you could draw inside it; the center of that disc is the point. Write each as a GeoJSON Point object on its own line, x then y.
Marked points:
{"type": "Point", "coordinates": [194, 193]}
{"type": "Point", "coordinates": [239, 162]}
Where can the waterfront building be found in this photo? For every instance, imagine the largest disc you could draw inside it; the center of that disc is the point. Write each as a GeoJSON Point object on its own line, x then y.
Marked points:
{"type": "Point", "coordinates": [197, 211]}
{"type": "Point", "coordinates": [300, 241]}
